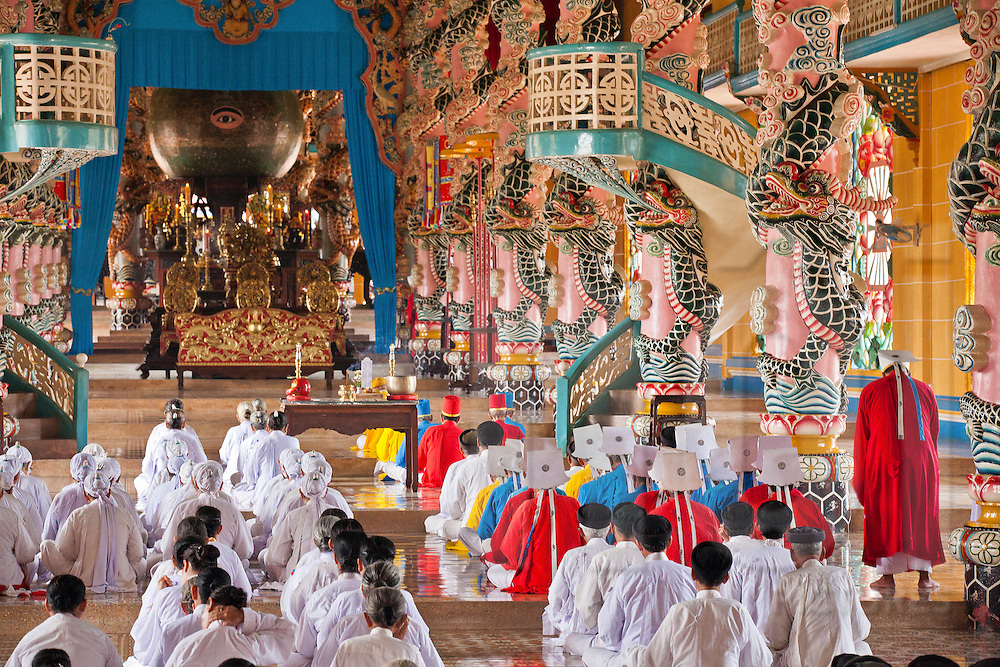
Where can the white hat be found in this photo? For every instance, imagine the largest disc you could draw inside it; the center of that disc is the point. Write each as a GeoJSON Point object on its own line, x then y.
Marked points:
{"type": "Point", "coordinates": [743, 453]}
{"type": "Point", "coordinates": [95, 450]}
{"type": "Point", "coordinates": [696, 438]}
{"type": "Point", "coordinates": [720, 468]}
{"type": "Point", "coordinates": [766, 442]}
{"type": "Point", "coordinates": [587, 440]}
{"type": "Point", "coordinates": [889, 357]}
{"type": "Point", "coordinates": [618, 441]}
{"type": "Point", "coordinates": [675, 470]}
{"type": "Point", "coordinates": [544, 468]}
{"type": "Point", "coordinates": [642, 460]}
{"type": "Point", "coordinates": [600, 461]}
{"type": "Point", "coordinates": [781, 467]}
{"type": "Point", "coordinates": [494, 465]}
{"type": "Point", "coordinates": [513, 458]}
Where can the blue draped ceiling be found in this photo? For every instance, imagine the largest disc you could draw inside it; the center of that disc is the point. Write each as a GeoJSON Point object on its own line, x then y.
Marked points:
{"type": "Point", "coordinates": [314, 46]}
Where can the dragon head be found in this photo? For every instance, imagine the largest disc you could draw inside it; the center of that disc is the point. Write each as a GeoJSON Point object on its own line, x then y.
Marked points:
{"type": "Point", "coordinates": [665, 205]}
{"type": "Point", "coordinates": [510, 214]}
{"type": "Point", "coordinates": [798, 197]}
{"type": "Point", "coordinates": [567, 210]}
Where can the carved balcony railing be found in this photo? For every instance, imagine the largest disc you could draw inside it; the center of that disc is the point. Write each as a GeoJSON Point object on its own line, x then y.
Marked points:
{"type": "Point", "coordinates": [57, 102]}
{"type": "Point", "coordinates": [875, 25]}
{"type": "Point", "coordinates": [610, 363]}
{"type": "Point", "coordinates": [62, 387]}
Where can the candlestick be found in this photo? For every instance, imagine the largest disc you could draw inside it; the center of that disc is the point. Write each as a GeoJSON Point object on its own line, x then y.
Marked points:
{"type": "Point", "coordinates": [298, 360]}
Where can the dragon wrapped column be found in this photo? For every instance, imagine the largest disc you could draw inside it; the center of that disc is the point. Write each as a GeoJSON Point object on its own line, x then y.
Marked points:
{"type": "Point", "coordinates": [974, 198]}
{"type": "Point", "coordinates": [428, 280]}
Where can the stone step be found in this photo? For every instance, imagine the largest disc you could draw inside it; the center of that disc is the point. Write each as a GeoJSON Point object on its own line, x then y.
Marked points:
{"type": "Point", "coordinates": [37, 428]}
{"type": "Point", "coordinates": [21, 405]}
{"type": "Point", "coordinates": [50, 448]}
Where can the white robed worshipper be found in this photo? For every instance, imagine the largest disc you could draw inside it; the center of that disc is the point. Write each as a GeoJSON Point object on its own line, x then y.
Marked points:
{"type": "Point", "coordinates": [34, 487]}
{"type": "Point", "coordinates": [99, 542]}
{"type": "Point", "coordinates": [815, 614]}
{"type": "Point", "coordinates": [561, 613]}
{"type": "Point", "coordinates": [755, 573]}
{"type": "Point", "coordinates": [32, 519]}
{"type": "Point", "coordinates": [232, 630]}
{"type": "Point", "coordinates": [173, 427]}
{"type": "Point", "coordinates": [154, 471]}
{"type": "Point", "coordinates": [641, 597]}
{"type": "Point", "coordinates": [272, 493]}
{"type": "Point", "coordinates": [600, 576]}
{"type": "Point", "coordinates": [292, 538]}
{"type": "Point", "coordinates": [70, 497]}
{"type": "Point", "coordinates": [17, 548]}
{"type": "Point", "coordinates": [738, 522]}
{"type": "Point", "coordinates": [355, 625]}
{"type": "Point", "coordinates": [86, 645]}
{"type": "Point", "coordinates": [95, 449]}
{"type": "Point", "coordinates": [156, 495]}
{"type": "Point", "coordinates": [293, 498]}
{"type": "Point", "coordinates": [264, 461]}
{"type": "Point", "coordinates": [166, 507]}
{"type": "Point", "coordinates": [192, 557]}
{"type": "Point", "coordinates": [463, 481]}
{"type": "Point", "coordinates": [207, 480]}
{"type": "Point", "coordinates": [237, 434]}
{"type": "Point", "coordinates": [385, 614]}
{"type": "Point", "coordinates": [708, 630]}
{"type": "Point", "coordinates": [177, 630]}
{"type": "Point", "coordinates": [119, 495]}
{"type": "Point", "coordinates": [237, 477]}
{"type": "Point", "coordinates": [238, 571]}
{"type": "Point", "coordinates": [309, 577]}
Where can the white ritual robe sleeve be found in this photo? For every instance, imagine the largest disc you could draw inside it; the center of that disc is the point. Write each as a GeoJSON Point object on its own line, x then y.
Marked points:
{"type": "Point", "coordinates": [242, 539]}
{"type": "Point", "coordinates": [59, 555]}
{"type": "Point", "coordinates": [272, 638]}
{"type": "Point", "coordinates": [279, 550]}
{"type": "Point", "coordinates": [611, 620]}
{"type": "Point", "coordinates": [754, 649]}
{"type": "Point", "coordinates": [451, 490]}
{"type": "Point", "coordinates": [418, 635]}
{"type": "Point", "coordinates": [560, 607]}
{"type": "Point", "coordinates": [778, 629]}
{"type": "Point", "coordinates": [25, 548]}
{"type": "Point", "coordinates": [135, 551]}
{"type": "Point", "coordinates": [860, 626]}
{"type": "Point", "coordinates": [305, 636]}
{"type": "Point", "coordinates": [588, 598]}
{"type": "Point", "coordinates": [336, 499]}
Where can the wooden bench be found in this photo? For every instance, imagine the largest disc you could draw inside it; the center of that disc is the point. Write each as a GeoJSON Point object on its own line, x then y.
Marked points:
{"type": "Point", "coordinates": [256, 343]}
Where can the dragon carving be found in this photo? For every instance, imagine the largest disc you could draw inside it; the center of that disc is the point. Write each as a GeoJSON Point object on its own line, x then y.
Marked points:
{"type": "Point", "coordinates": [460, 227]}
{"type": "Point", "coordinates": [675, 39]}
{"type": "Point", "coordinates": [579, 228]}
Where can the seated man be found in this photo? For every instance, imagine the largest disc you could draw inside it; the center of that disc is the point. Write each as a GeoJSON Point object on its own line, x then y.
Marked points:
{"type": "Point", "coordinates": [179, 629]}
{"type": "Point", "coordinates": [641, 596]}
{"type": "Point", "coordinates": [498, 413]}
{"type": "Point", "coordinates": [708, 630]}
{"type": "Point", "coordinates": [512, 462]}
{"type": "Point", "coordinates": [729, 482]}
{"type": "Point", "coordinates": [463, 481]}
{"type": "Point", "coordinates": [86, 645]}
{"type": "Point", "coordinates": [815, 614]}
{"type": "Point", "coordinates": [600, 575]}
{"type": "Point", "coordinates": [612, 487]}
{"type": "Point", "coordinates": [440, 446]}
{"type": "Point", "coordinates": [232, 630]}
{"type": "Point", "coordinates": [561, 612]}
{"type": "Point", "coordinates": [737, 527]}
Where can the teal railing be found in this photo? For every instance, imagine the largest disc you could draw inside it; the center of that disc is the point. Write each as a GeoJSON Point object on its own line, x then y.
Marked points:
{"type": "Point", "coordinates": [609, 364]}
{"type": "Point", "coordinates": [61, 387]}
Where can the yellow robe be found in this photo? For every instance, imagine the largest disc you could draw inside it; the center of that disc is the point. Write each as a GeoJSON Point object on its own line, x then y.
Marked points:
{"type": "Point", "coordinates": [577, 480]}
{"type": "Point", "coordinates": [479, 506]}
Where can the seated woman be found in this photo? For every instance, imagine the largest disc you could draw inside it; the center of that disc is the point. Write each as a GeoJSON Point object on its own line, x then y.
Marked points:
{"type": "Point", "coordinates": [71, 496]}
{"type": "Point", "coordinates": [385, 614]}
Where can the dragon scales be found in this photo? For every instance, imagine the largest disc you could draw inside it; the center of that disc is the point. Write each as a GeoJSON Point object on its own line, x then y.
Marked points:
{"type": "Point", "coordinates": [810, 312]}
{"type": "Point", "coordinates": [974, 193]}
{"type": "Point", "coordinates": [428, 279]}
{"type": "Point", "coordinates": [586, 289]}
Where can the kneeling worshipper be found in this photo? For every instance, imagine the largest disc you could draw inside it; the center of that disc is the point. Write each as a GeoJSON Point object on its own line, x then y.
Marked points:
{"type": "Point", "coordinates": [543, 528]}
{"type": "Point", "coordinates": [184, 492]}
{"type": "Point", "coordinates": [641, 597]}
{"type": "Point", "coordinates": [613, 487]}
{"type": "Point", "coordinates": [237, 434]}
{"type": "Point", "coordinates": [239, 480]}
{"type": "Point", "coordinates": [86, 645]}
{"type": "Point", "coordinates": [99, 543]}
{"type": "Point", "coordinates": [178, 629]}
{"type": "Point", "coordinates": [11, 471]}
{"type": "Point", "coordinates": [756, 571]}
{"type": "Point", "coordinates": [511, 460]}
{"type": "Point", "coordinates": [732, 471]}
{"type": "Point", "coordinates": [389, 446]}
{"type": "Point", "coordinates": [158, 492]}
{"type": "Point", "coordinates": [315, 570]}
{"type": "Point", "coordinates": [174, 427]}
{"type": "Point", "coordinates": [263, 461]}
{"type": "Point", "coordinates": [469, 533]}
{"type": "Point", "coordinates": [738, 527]}
{"type": "Point", "coordinates": [708, 630]}
{"type": "Point", "coordinates": [229, 560]}
{"type": "Point", "coordinates": [815, 614]}
{"type": "Point", "coordinates": [290, 462]}
{"type": "Point", "coordinates": [233, 630]}
{"type": "Point", "coordinates": [119, 495]}
{"type": "Point", "coordinates": [70, 497]}
{"type": "Point", "coordinates": [463, 482]}
{"type": "Point", "coordinates": [779, 470]}
{"type": "Point", "coordinates": [441, 446]}
{"type": "Point", "coordinates": [31, 486]}
{"type": "Point", "coordinates": [582, 450]}
{"type": "Point", "coordinates": [207, 481]}
{"type": "Point", "coordinates": [561, 613]}
{"type": "Point", "coordinates": [599, 578]}
{"type": "Point", "coordinates": [17, 548]}
{"type": "Point", "coordinates": [698, 439]}
{"type": "Point", "coordinates": [677, 475]}
{"type": "Point", "coordinates": [293, 499]}
{"type": "Point", "coordinates": [498, 413]}
{"type": "Point", "coordinates": [385, 615]}
{"type": "Point", "coordinates": [191, 556]}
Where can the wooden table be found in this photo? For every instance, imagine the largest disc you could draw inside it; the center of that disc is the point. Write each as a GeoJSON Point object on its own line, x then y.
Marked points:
{"type": "Point", "coordinates": [355, 418]}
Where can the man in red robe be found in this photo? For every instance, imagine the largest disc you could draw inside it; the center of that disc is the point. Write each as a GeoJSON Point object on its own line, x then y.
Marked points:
{"type": "Point", "coordinates": [498, 412]}
{"type": "Point", "coordinates": [673, 500]}
{"type": "Point", "coordinates": [896, 474]}
{"type": "Point", "coordinates": [541, 530]}
{"type": "Point", "coordinates": [441, 445]}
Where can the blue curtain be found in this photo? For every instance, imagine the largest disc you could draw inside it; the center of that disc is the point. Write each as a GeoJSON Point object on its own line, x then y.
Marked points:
{"type": "Point", "coordinates": [374, 195]}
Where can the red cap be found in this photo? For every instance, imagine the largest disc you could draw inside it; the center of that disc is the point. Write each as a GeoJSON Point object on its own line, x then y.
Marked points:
{"type": "Point", "coordinates": [451, 406]}
{"type": "Point", "coordinates": [498, 401]}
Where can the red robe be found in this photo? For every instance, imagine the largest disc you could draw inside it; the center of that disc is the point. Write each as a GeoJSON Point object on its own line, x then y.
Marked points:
{"type": "Point", "coordinates": [510, 432]}
{"type": "Point", "coordinates": [706, 524]}
{"type": "Point", "coordinates": [805, 511]}
{"type": "Point", "coordinates": [527, 544]}
{"type": "Point", "coordinates": [438, 449]}
{"type": "Point", "coordinates": [897, 480]}
{"type": "Point", "coordinates": [496, 554]}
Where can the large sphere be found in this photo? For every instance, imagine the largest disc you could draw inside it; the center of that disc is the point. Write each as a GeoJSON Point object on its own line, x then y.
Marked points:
{"type": "Point", "coordinates": [198, 133]}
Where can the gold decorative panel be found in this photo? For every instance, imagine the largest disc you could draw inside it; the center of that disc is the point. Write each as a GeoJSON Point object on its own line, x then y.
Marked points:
{"type": "Point", "coordinates": [33, 366]}
{"type": "Point", "coordinates": [610, 365]}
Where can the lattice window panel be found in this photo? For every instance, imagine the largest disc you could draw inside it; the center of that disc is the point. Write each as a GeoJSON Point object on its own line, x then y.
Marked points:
{"type": "Point", "coordinates": [584, 91]}
{"type": "Point", "coordinates": [64, 83]}
{"type": "Point", "coordinates": [901, 88]}
{"type": "Point", "coordinates": [750, 46]}
{"type": "Point", "coordinates": [868, 17]}
{"type": "Point", "coordinates": [911, 9]}
{"type": "Point", "coordinates": [720, 42]}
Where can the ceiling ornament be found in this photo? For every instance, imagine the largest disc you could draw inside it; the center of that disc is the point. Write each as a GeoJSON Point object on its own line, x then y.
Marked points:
{"type": "Point", "coordinates": [236, 21]}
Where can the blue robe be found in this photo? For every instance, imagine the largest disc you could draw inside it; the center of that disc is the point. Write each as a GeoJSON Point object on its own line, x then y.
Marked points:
{"type": "Point", "coordinates": [495, 504]}
{"type": "Point", "coordinates": [508, 420]}
{"type": "Point", "coordinates": [721, 495]}
{"type": "Point", "coordinates": [609, 489]}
